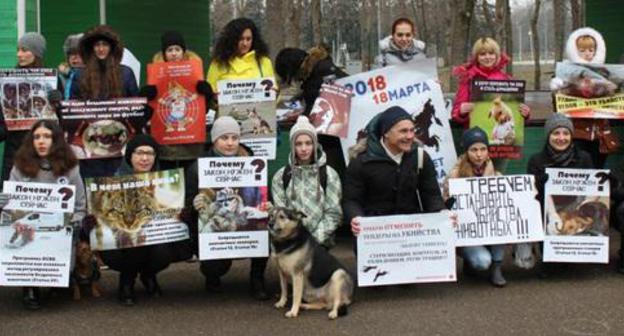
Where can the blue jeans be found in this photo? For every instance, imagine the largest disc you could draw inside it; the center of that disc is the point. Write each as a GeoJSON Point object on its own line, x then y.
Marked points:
{"type": "Point", "coordinates": [481, 257]}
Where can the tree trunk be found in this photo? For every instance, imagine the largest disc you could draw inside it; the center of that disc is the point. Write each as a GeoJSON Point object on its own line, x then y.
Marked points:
{"type": "Point", "coordinates": [503, 29]}
{"type": "Point", "coordinates": [559, 22]}
{"type": "Point", "coordinates": [275, 26]}
{"type": "Point", "coordinates": [291, 10]}
{"type": "Point", "coordinates": [577, 14]}
{"type": "Point", "coordinates": [315, 13]}
{"type": "Point", "coordinates": [537, 74]}
{"type": "Point", "coordinates": [460, 31]}
{"type": "Point", "coordinates": [487, 14]}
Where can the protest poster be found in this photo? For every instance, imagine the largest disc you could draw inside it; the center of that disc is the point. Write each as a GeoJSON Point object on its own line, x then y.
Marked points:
{"type": "Point", "coordinates": [251, 102]}
{"type": "Point", "coordinates": [497, 112]}
{"type": "Point", "coordinates": [591, 91]}
{"type": "Point", "coordinates": [415, 88]}
{"type": "Point", "coordinates": [496, 210]}
{"type": "Point", "coordinates": [405, 249]}
{"type": "Point", "coordinates": [179, 115]}
{"type": "Point", "coordinates": [136, 210]}
{"type": "Point", "coordinates": [24, 94]}
{"type": "Point", "coordinates": [101, 129]}
{"type": "Point", "coordinates": [576, 216]}
{"type": "Point", "coordinates": [330, 113]}
{"type": "Point", "coordinates": [233, 215]}
{"type": "Point", "coordinates": [35, 238]}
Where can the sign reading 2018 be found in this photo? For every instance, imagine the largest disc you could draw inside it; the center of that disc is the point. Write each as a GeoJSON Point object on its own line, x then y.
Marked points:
{"type": "Point", "coordinates": [378, 87]}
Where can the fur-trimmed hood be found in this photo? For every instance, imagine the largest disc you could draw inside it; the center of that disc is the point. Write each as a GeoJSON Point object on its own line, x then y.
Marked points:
{"type": "Point", "coordinates": [188, 55]}
{"type": "Point", "coordinates": [101, 32]}
{"type": "Point", "coordinates": [315, 55]}
{"type": "Point", "coordinates": [571, 50]}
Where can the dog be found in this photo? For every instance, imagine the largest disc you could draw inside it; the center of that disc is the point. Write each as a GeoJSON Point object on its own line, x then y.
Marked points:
{"type": "Point", "coordinates": [316, 276]}
{"type": "Point", "coordinates": [503, 132]}
{"type": "Point", "coordinates": [86, 272]}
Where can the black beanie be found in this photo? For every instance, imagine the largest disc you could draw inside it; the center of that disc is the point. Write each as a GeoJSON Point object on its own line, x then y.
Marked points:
{"type": "Point", "coordinates": [138, 141]}
{"type": "Point", "coordinates": [389, 118]}
{"type": "Point", "coordinates": [170, 38]}
{"type": "Point", "coordinates": [473, 136]}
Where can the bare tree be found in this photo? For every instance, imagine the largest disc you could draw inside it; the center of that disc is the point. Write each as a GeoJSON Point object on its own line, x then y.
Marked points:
{"type": "Point", "coordinates": [559, 10]}
{"type": "Point", "coordinates": [576, 9]}
{"type": "Point", "coordinates": [503, 28]}
{"type": "Point", "coordinates": [460, 31]}
{"type": "Point", "coordinates": [536, 46]}
{"type": "Point", "coordinates": [315, 12]}
{"type": "Point", "coordinates": [487, 15]}
{"type": "Point", "coordinates": [274, 31]}
{"type": "Point", "coordinates": [291, 11]}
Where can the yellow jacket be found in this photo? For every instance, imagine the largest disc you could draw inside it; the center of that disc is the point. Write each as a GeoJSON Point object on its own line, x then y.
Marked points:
{"type": "Point", "coordinates": [241, 67]}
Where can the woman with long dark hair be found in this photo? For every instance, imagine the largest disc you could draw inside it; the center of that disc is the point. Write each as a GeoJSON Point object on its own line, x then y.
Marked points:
{"type": "Point", "coordinates": [45, 157]}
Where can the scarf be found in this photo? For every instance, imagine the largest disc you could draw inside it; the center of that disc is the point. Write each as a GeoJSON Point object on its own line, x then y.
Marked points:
{"type": "Point", "coordinates": [560, 158]}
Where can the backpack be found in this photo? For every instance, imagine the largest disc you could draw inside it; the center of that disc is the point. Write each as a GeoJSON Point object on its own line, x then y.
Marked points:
{"type": "Point", "coordinates": [287, 176]}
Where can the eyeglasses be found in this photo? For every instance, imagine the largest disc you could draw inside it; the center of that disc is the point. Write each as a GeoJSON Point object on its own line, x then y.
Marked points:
{"type": "Point", "coordinates": [144, 153]}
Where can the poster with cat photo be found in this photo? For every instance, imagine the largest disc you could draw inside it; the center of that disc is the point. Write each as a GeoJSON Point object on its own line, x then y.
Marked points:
{"type": "Point", "coordinates": [101, 129]}
{"type": "Point", "coordinates": [576, 216]}
{"type": "Point", "coordinates": [252, 103]}
{"type": "Point", "coordinates": [136, 210]}
{"type": "Point", "coordinates": [179, 115]}
{"type": "Point", "coordinates": [35, 235]}
{"type": "Point", "coordinates": [24, 96]}
{"type": "Point", "coordinates": [232, 205]}
{"type": "Point", "coordinates": [497, 112]}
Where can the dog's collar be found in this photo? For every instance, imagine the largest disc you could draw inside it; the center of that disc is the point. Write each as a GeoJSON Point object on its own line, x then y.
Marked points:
{"type": "Point", "coordinates": [290, 245]}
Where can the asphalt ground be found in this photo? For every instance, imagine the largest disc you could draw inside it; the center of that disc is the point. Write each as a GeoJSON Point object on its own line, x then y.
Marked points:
{"type": "Point", "coordinates": [574, 300]}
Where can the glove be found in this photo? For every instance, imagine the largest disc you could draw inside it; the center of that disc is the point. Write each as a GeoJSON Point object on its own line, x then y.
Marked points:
{"type": "Point", "coordinates": [204, 88]}
{"type": "Point", "coordinates": [186, 215]}
{"type": "Point", "coordinates": [449, 202]}
{"type": "Point", "coordinates": [4, 199]}
{"type": "Point", "coordinates": [148, 91]}
{"type": "Point", "coordinates": [149, 111]}
{"type": "Point", "coordinates": [88, 223]}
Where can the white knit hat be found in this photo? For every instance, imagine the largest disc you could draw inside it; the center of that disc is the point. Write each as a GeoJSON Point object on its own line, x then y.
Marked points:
{"type": "Point", "coordinates": [302, 126]}
{"type": "Point", "coordinates": [224, 125]}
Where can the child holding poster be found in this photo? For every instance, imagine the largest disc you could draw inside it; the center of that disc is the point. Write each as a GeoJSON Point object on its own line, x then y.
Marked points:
{"type": "Point", "coordinates": [486, 63]}
{"type": "Point", "coordinates": [225, 135]}
{"type": "Point", "coordinates": [45, 157]}
{"type": "Point", "coordinates": [476, 162]}
{"type": "Point", "coordinates": [173, 49]}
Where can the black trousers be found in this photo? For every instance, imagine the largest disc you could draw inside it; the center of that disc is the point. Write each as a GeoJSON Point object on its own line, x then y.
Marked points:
{"type": "Point", "coordinates": [147, 260]}
{"type": "Point", "coordinates": [218, 268]}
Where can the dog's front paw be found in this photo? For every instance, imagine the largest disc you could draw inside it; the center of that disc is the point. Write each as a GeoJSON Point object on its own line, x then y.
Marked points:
{"type": "Point", "coordinates": [333, 315]}
{"type": "Point", "coordinates": [280, 304]}
{"type": "Point", "coordinates": [291, 313]}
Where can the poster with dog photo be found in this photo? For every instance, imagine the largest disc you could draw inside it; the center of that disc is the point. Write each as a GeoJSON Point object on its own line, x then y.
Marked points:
{"type": "Point", "coordinates": [330, 113]}
{"type": "Point", "coordinates": [35, 235]}
{"type": "Point", "coordinates": [576, 216]}
{"type": "Point", "coordinates": [101, 129]}
{"type": "Point", "coordinates": [179, 111]}
{"type": "Point", "coordinates": [232, 205]}
{"type": "Point", "coordinates": [496, 210]}
{"type": "Point", "coordinates": [24, 95]}
{"type": "Point", "coordinates": [251, 102]}
{"type": "Point", "coordinates": [497, 112]}
{"type": "Point", "coordinates": [589, 90]}
{"type": "Point", "coordinates": [416, 89]}
{"type": "Point", "coordinates": [136, 210]}
{"type": "Point", "coordinates": [405, 249]}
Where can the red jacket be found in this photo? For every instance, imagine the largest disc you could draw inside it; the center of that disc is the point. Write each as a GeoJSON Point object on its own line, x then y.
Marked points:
{"type": "Point", "coordinates": [465, 73]}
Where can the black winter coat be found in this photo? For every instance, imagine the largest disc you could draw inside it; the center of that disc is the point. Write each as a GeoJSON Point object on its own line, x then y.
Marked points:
{"type": "Point", "coordinates": [375, 185]}
{"type": "Point", "coordinates": [540, 161]}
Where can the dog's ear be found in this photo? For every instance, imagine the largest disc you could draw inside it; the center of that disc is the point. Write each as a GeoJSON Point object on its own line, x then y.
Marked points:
{"type": "Point", "coordinates": [269, 208]}
{"type": "Point", "coordinates": [300, 215]}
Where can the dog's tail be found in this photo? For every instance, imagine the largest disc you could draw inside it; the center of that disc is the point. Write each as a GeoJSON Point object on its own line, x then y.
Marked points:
{"type": "Point", "coordinates": [343, 310]}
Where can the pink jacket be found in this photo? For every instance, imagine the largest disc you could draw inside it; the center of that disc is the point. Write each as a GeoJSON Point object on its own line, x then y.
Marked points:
{"type": "Point", "coordinates": [465, 73]}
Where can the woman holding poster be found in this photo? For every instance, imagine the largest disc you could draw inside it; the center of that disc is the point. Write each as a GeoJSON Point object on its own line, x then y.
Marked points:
{"type": "Point", "coordinates": [141, 156]}
{"type": "Point", "coordinates": [476, 162]}
{"type": "Point", "coordinates": [45, 157]}
{"type": "Point", "coordinates": [103, 77]}
{"type": "Point", "coordinates": [309, 185]}
{"type": "Point", "coordinates": [225, 135]}
{"type": "Point", "coordinates": [173, 49]}
{"type": "Point", "coordinates": [486, 63]}
{"type": "Point", "coordinates": [240, 53]}
{"type": "Point", "coordinates": [31, 48]}
{"type": "Point", "coordinates": [559, 152]}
